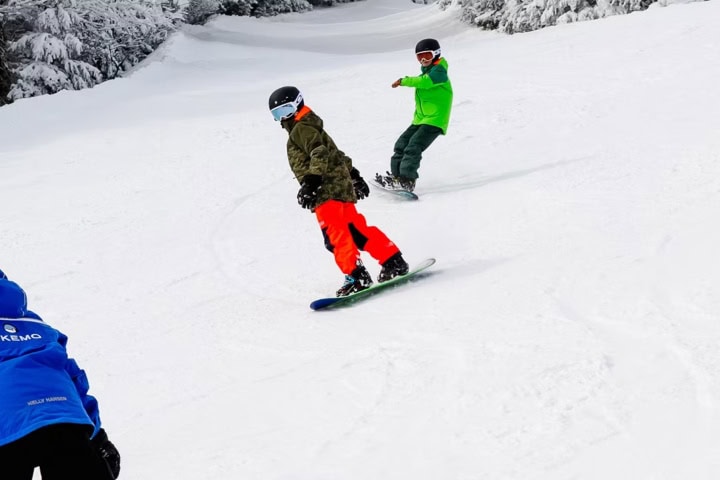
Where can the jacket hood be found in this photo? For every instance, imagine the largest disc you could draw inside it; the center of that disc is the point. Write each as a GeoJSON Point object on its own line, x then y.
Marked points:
{"type": "Point", "coordinates": [13, 301]}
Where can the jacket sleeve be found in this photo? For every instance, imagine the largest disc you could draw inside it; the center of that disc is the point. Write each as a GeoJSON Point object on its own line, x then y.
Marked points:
{"type": "Point", "coordinates": [347, 161]}
{"type": "Point", "coordinates": [309, 140]}
{"type": "Point", "coordinates": [82, 386]}
{"type": "Point", "coordinates": [435, 76]}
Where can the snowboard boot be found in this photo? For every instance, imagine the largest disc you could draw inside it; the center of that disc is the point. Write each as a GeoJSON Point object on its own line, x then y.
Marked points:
{"type": "Point", "coordinates": [406, 183]}
{"type": "Point", "coordinates": [393, 267]}
{"type": "Point", "coordinates": [358, 280]}
{"type": "Point", "coordinates": [391, 182]}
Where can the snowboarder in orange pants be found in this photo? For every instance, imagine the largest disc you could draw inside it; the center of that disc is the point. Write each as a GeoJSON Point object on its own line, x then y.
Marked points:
{"type": "Point", "coordinates": [330, 186]}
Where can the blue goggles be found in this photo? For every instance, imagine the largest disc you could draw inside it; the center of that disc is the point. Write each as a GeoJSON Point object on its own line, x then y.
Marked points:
{"type": "Point", "coordinates": [284, 111]}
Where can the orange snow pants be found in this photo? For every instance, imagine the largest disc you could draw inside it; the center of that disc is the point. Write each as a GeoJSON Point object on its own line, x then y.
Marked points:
{"type": "Point", "coordinates": [346, 231]}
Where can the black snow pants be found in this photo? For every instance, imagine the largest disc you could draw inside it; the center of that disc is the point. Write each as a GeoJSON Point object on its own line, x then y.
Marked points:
{"type": "Point", "coordinates": [62, 451]}
{"type": "Point", "coordinates": [408, 150]}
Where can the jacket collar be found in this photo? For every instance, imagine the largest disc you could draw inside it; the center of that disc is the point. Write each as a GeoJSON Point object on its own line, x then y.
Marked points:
{"type": "Point", "coordinates": [427, 69]}
{"type": "Point", "coordinates": [290, 122]}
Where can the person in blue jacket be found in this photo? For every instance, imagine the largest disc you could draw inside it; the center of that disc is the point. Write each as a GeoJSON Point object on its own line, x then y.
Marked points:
{"type": "Point", "coordinates": [47, 418]}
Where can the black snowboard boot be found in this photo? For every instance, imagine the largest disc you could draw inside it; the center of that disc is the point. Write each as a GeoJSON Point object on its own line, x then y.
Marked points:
{"type": "Point", "coordinates": [391, 182]}
{"type": "Point", "coordinates": [406, 183]}
{"type": "Point", "coordinates": [358, 280]}
{"type": "Point", "coordinates": [393, 266]}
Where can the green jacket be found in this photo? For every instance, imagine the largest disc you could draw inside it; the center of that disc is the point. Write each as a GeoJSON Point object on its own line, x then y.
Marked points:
{"type": "Point", "coordinates": [433, 95]}
{"type": "Point", "coordinates": [310, 150]}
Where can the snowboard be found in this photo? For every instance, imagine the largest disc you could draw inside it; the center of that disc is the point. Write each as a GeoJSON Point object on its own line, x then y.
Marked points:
{"type": "Point", "coordinates": [406, 194]}
{"type": "Point", "coordinates": [331, 302]}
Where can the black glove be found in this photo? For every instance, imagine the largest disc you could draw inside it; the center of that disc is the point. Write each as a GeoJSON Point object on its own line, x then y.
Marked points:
{"type": "Point", "coordinates": [107, 452]}
{"type": "Point", "coordinates": [307, 195]}
{"type": "Point", "coordinates": [359, 185]}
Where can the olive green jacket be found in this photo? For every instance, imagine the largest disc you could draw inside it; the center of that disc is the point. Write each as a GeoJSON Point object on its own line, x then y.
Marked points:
{"type": "Point", "coordinates": [433, 95]}
{"type": "Point", "coordinates": [311, 151]}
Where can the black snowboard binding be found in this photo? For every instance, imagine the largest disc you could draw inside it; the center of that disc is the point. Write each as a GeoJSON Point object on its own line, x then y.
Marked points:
{"type": "Point", "coordinates": [406, 183]}
{"type": "Point", "coordinates": [391, 182]}
{"type": "Point", "coordinates": [393, 267]}
{"type": "Point", "coordinates": [357, 281]}
{"type": "Point", "coordinates": [386, 181]}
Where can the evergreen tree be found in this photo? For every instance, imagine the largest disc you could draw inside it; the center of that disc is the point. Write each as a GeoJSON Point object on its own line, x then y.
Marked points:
{"type": "Point", "coordinates": [330, 3]}
{"type": "Point", "coordinates": [269, 8]}
{"type": "Point", "coordinates": [513, 16]}
{"type": "Point", "coordinates": [615, 7]}
{"type": "Point", "coordinates": [12, 26]}
{"type": "Point", "coordinates": [51, 54]}
{"type": "Point", "coordinates": [263, 8]}
{"type": "Point", "coordinates": [123, 32]}
{"type": "Point", "coordinates": [236, 7]}
{"type": "Point", "coordinates": [485, 14]}
{"type": "Point", "coordinates": [198, 11]}
{"type": "Point", "coordinates": [172, 6]}
{"type": "Point", "coordinates": [5, 75]}
{"type": "Point", "coordinates": [74, 44]}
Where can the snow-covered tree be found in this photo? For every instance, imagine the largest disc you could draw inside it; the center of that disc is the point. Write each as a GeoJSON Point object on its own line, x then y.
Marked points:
{"type": "Point", "coordinates": [198, 11]}
{"type": "Point", "coordinates": [12, 25]}
{"type": "Point", "coordinates": [485, 14]}
{"type": "Point", "coordinates": [236, 7]}
{"type": "Point", "coordinates": [5, 75]}
{"type": "Point", "coordinates": [74, 44]}
{"type": "Point", "coordinates": [172, 6]}
{"type": "Point", "coordinates": [330, 3]}
{"type": "Point", "coordinates": [263, 8]}
{"type": "Point", "coordinates": [513, 16]}
{"type": "Point", "coordinates": [124, 32]}
{"type": "Point", "coordinates": [52, 51]}
{"type": "Point", "coordinates": [615, 7]}
{"type": "Point", "coordinates": [269, 8]}
{"type": "Point", "coordinates": [527, 15]}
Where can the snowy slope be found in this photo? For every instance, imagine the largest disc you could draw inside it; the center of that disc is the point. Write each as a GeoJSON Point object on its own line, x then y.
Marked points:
{"type": "Point", "coordinates": [569, 330]}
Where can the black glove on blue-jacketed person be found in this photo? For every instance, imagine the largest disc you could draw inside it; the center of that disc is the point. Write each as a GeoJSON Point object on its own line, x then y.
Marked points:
{"type": "Point", "coordinates": [359, 184]}
{"type": "Point", "coordinates": [307, 195]}
{"type": "Point", "coordinates": [107, 452]}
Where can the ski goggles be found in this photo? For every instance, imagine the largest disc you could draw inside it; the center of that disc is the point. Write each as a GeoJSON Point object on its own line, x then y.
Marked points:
{"type": "Point", "coordinates": [427, 55]}
{"type": "Point", "coordinates": [284, 111]}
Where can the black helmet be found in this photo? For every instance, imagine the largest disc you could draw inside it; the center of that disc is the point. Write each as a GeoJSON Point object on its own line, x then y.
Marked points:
{"type": "Point", "coordinates": [285, 102]}
{"type": "Point", "coordinates": [428, 45]}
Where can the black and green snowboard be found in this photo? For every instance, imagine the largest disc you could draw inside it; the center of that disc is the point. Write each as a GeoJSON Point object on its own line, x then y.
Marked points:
{"type": "Point", "coordinates": [406, 194]}
{"type": "Point", "coordinates": [331, 302]}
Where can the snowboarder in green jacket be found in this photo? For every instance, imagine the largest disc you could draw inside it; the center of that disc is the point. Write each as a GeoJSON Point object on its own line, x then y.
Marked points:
{"type": "Point", "coordinates": [433, 102]}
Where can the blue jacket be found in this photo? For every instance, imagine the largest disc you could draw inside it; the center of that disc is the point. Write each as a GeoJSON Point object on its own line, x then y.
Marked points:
{"type": "Point", "coordinates": [39, 384]}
